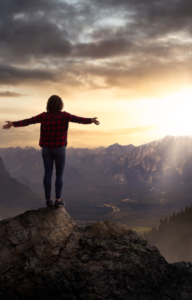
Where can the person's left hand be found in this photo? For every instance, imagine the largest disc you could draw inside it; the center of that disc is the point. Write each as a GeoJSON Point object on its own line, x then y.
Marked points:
{"type": "Point", "coordinates": [8, 125]}
{"type": "Point", "coordinates": [95, 121]}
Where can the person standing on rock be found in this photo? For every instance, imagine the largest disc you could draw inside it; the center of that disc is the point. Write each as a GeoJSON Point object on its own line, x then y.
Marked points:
{"type": "Point", "coordinates": [53, 140]}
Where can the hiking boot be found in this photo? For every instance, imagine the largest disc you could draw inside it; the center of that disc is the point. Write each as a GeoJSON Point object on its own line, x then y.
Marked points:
{"type": "Point", "coordinates": [59, 203]}
{"type": "Point", "coordinates": [49, 203]}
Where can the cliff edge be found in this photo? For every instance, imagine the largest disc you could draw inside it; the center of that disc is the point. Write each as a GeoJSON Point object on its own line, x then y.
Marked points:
{"type": "Point", "coordinates": [45, 255]}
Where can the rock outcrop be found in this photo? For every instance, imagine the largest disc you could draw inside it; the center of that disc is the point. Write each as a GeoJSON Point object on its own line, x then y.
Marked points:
{"type": "Point", "coordinates": [45, 255]}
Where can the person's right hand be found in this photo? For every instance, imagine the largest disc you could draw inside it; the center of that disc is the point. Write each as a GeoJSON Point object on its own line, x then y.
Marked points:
{"type": "Point", "coordinates": [96, 122]}
{"type": "Point", "coordinates": [8, 125]}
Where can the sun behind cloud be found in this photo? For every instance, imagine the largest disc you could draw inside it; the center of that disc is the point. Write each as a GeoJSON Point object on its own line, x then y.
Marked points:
{"type": "Point", "coordinates": [127, 63]}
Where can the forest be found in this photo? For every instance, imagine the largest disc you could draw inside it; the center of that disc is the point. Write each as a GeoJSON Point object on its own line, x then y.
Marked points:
{"type": "Point", "coordinates": [173, 236]}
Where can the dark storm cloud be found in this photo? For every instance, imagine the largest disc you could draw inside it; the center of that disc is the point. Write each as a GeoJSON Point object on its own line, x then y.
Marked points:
{"type": "Point", "coordinates": [146, 25]}
{"type": "Point", "coordinates": [32, 38]}
{"type": "Point", "coordinates": [139, 38]}
{"type": "Point", "coordinates": [14, 75]}
{"type": "Point", "coordinates": [31, 30]}
{"type": "Point", "coordinates": [115, 47]}
{"type": "Point", "coordinates": [40, 29]}
{"type": "Point", "coordinates": [153, 16]}
{"type": "Point", "coordinates": [47, 28]}
{"type": "Point", "coordinates": [102, 49]}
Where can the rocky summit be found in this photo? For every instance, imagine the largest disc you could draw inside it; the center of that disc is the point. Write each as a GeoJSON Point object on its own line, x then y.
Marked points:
{"type": "Point", "coordinates": [45, 255]}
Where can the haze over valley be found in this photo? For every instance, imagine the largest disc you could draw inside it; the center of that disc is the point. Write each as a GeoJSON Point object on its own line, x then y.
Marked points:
{"type": "Point", "coordinates": [132, 185]}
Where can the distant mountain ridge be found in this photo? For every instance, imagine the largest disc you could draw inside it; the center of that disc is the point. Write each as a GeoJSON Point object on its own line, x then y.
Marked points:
{"type": "Point", "coordinates": [108, 155]}
{"type": "Point", "coordinates": [27, 162]}
{"type": "Point", "coordinates": [165, 160]}
{"type": "Point", "coordinates": [168, 160]}
{"type": "Point", "coordinates": [75, 154]}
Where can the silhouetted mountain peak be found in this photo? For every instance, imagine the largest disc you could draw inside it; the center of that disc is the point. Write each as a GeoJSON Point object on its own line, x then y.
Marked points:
{"type": "Point", "coordinates": [30, 148]}
{"type": "Point", "coordinates": [117, 147]}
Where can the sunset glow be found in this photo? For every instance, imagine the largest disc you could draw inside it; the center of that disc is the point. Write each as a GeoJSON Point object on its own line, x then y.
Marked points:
{"type": "Point", "coordinates": [105, 61]}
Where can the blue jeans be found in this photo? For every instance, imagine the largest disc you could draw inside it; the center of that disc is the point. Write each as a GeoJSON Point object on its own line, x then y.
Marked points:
{"type": "Point", "coordinates": [49, 156]}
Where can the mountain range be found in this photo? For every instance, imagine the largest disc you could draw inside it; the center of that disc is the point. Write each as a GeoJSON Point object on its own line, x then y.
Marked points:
{"type": "Point", "coordinates": [97, 161]}
{"type": "Point", "coordinates": [81, 164]}
{"type": "Point", "coordinates": [167, 160]}
{"type": "Point", "coordinates": [134, 185]}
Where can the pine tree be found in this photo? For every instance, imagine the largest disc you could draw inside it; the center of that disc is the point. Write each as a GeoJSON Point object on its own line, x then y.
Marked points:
{"type": "Point", "coordinates": [161, 224]}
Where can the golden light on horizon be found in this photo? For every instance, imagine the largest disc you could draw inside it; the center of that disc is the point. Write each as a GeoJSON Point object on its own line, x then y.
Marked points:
{"type": "Point", "coordinates": [103, 62]}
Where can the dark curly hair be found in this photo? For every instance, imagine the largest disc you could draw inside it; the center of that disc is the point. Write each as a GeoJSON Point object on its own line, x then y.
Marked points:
{"type": "Point", "coordinates": [54, 104]}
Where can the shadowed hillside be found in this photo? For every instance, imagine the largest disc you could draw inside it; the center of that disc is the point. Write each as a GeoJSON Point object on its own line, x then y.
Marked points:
{"type": "Point", "coordinates": [15, 197]}
{"type": "Point", "coordinates": [3, 170]}
{"type": "Point", "coordinates": [173, 236]}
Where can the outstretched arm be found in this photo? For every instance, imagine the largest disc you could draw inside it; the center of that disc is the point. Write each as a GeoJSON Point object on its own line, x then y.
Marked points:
{"type": "Point", "coordinates": [75, 119]}
{"type": "Point", "coordinates": [26, 122]}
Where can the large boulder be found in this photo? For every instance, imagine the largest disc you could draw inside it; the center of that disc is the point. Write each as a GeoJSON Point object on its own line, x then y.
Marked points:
{"type": "Point", "coordinates": [45, 255]}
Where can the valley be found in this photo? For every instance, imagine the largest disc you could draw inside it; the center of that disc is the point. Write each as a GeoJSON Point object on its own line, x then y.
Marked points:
{"type": "Point", "coordinates": [133, 185]}
{"type": "Point", "coordinates": [143, 210]}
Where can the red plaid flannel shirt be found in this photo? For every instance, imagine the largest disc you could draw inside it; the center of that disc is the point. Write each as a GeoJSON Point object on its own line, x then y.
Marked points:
{"type": "Point", "coordinates": [54, 127]}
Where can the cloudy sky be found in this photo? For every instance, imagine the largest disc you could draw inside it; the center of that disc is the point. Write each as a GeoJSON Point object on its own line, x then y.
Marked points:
{"type": "Point", "coordinates": [127, 62]}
